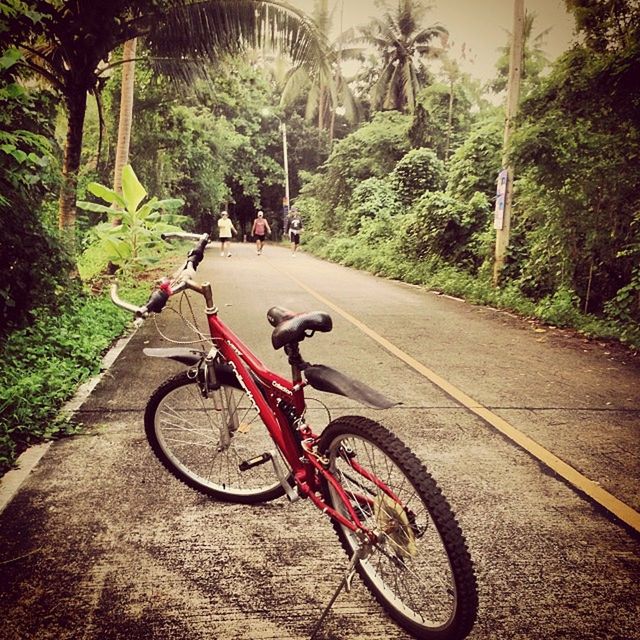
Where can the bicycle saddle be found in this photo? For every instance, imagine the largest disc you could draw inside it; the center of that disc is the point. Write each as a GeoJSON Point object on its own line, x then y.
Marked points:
{"type": "Point", "coordinates": [293, 327]}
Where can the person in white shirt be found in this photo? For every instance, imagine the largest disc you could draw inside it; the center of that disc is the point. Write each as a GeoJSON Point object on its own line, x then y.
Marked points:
{"type": "Point", "coordinates": [225, 230]}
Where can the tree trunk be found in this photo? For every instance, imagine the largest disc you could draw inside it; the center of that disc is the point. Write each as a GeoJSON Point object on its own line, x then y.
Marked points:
{"type": "Point", "coordinates": [76, 108]}
{"type": "Point", "coordinates": [126, 113]}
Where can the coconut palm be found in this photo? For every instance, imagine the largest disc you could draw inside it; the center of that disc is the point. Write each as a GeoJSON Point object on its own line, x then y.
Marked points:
{"type": "Point", "coordinates": [535, 59]}
{"type": "Point", "coordinates": [402, 44]}
{"type": "Point", "coordinates": [325, 86]}
{"type": "Point", "coordinates": [71, 38]}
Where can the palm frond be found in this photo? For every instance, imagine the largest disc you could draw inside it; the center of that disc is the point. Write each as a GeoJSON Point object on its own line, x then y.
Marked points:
{"type": "Point", "coordinates": [297, 83]}
{"type": "Point", "coordinates": [206, 29]}
{"type": "Point", "coordinates": [380, 89]}
{"type": "Point", "coordinates": [430, 33]}
{"type": "Point", "coordinates": [313, 99]}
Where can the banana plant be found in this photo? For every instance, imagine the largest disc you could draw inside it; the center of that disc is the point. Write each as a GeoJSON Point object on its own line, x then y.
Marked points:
{"type": "Point", "coordinates": [131, 235]}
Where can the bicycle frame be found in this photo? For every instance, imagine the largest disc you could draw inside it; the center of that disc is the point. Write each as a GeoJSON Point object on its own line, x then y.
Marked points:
{"type": "Point", "coordinates": [295, 441]}
{"type": "Point", "coordinates": [280, 402]}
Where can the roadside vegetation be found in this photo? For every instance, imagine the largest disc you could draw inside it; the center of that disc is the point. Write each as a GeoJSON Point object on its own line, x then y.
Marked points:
{"type": "Point", "coordinates": [394, 170]}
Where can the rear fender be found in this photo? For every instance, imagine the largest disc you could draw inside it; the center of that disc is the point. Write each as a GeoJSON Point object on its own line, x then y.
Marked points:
{"type": "Point", "coordinates": [327, 379]}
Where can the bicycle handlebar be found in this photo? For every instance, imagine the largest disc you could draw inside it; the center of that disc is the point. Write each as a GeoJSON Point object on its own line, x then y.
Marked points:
{"type": "Point", "coordinates": [180, 280]}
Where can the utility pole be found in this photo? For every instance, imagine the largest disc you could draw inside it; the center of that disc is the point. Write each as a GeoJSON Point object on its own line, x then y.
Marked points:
{"type": "Point", "coordinates": [502, 222]}
{"type": "Point", "coordinates": [286, 171]}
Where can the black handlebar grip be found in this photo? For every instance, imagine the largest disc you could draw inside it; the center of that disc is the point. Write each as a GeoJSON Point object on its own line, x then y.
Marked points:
{"type": "Point", "coordinates": [196, 254]}
{"type": "Point", "coordinates": [157, 301]}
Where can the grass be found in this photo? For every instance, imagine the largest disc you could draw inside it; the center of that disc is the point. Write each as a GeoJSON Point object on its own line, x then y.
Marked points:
{"type": "Point", "coordinates": [42, 366]}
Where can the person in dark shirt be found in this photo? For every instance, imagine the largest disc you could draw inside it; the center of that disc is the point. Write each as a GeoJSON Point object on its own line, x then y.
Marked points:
{"type": "Point", "coordinates": [295, 228]}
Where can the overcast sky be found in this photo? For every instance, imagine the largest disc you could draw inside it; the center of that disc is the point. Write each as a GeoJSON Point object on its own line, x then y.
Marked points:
{"type": "Point", "coordinates": [480, 25]}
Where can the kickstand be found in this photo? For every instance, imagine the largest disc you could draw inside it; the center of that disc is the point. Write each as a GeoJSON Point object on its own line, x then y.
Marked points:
{"type": "Point", "coordinates": [345, 583]}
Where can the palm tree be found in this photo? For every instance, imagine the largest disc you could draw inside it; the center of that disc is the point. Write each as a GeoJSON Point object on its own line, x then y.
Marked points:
{"type": "Point", "coordinates": [535, 59]}
{"type": "Point", "coordinates": [72, 37]}
{"type": "Point", "coordinates": [125, 120]}
{"type": "Point", "coordinates": [402, 44]}
{"type": "Point", "coordinates": [325, 86]}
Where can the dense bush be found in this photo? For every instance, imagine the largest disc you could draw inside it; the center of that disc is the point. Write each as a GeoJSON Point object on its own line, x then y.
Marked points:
{"type": "Point", "coordinates": [436, 227]}
{"type": "Point", "coordinates": [578, 193]}
{"type": "Point", "coordinates": [418, 171]}
{"type": "Point", "coordinates": [370, 152]}
{"type": "Point", "coordinates": [33, 264]}
{"type": "Point", "coordinates": [370, 199]}
{"type": "Point", "coordinates": [476, 164]}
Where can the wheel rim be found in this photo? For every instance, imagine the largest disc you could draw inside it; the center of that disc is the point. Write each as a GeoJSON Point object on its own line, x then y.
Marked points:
{"type": "Point", "coordinates": [409, 566]}
{"type": "Point", "coordinates": [206, 439]}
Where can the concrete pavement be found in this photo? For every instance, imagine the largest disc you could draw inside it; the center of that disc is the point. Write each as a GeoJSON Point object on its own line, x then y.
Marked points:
{"type": "Point", "coordinates": [100, 542]}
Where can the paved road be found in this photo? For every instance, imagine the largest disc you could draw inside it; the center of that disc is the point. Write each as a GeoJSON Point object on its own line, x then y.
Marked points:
{"type": "Point", "coordinates": [101, 543]}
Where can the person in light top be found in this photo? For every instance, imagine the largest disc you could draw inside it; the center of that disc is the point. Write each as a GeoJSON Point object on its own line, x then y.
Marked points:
{"type": "Point", "coordinates": [225, 230]}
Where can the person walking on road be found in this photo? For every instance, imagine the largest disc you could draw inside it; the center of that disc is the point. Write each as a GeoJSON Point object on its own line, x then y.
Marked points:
{"type": "Point", "coordinates": [225, 230]}
{"type": "Point", "coordinates": [295, 228]}
{"type": "Point", "coordinates": [259, 230]}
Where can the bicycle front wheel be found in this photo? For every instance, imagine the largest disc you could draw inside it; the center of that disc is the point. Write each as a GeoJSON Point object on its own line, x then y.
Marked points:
{"type": "Point", "coordinates": [419, 569]}
{"type": "Point", "coordinates": [206, 442]}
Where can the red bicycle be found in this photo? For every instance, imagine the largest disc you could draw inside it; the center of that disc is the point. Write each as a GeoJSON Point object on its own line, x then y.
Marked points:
{"type": "Point", "coordinates": [234, 430]}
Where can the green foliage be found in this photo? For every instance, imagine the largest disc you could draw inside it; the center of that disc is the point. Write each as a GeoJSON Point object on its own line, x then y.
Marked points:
{"type": "Point", "coordinates": [559, 308]}
{"type": "Point", "coordinates": [371, 151]}
{"type": "Point", "coordinates": [435, 227]}
{"type": "Point", "coordinates": [371, 199]}
{"type": "Point", "coordinates": [578, 192]}
{"type": "Point", "coordinates": [442, 121]}
{"type": "Point", "coordinates": [33, 264]}
{"type": "Point", "coordinates": [606, 24]}
{"type": "Point", "coordinates": [131, 237]}
{"type": "Point", "coordinates": [41, 366]}
{"type": "Point", "coordinates": [417, 172]}
{"type": "Point", "coordinates": [624, 307]}
{"type": "Point", "coordinates": [476, 163]}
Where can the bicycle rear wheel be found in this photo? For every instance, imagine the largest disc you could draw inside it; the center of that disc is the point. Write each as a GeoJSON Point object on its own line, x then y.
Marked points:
{"type": "Point", "coordinates": [419, 569]}
{"type": "Point", "coordinates": [204, 441]}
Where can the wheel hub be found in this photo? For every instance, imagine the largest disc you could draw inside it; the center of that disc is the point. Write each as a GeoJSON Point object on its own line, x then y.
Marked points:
{"type": "Point", "coordinates": [392, 520]}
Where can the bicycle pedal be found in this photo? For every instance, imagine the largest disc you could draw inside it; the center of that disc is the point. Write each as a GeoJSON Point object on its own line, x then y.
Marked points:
{"type": "Point", "coordinates": [254, 462]}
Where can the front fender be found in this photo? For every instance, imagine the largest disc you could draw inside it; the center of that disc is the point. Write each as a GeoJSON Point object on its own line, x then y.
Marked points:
{"type": "Point", "coordinates": [224, 374]}
{"type": "Point", "coordinates": [190, 357]}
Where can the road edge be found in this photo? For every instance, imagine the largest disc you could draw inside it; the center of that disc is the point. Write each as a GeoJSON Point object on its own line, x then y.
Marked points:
{"type": "Point", "coordinates": [28, 460]}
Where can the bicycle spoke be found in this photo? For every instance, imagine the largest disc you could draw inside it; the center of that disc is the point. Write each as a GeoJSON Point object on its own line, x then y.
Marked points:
{"type": "Point", "coordinates": [409, 567]}
{"type": "Point", "coordinates": [204, 441]}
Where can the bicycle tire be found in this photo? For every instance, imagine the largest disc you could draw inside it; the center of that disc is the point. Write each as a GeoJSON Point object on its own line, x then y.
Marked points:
{"type": "Point", "coordinates": [187, 433]}
{"type": "Point", "coordinates": [420, 569]}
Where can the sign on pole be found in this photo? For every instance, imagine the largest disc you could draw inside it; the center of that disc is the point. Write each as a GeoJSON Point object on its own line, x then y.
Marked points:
{"type": "Point", "coordinates": [501, 194]}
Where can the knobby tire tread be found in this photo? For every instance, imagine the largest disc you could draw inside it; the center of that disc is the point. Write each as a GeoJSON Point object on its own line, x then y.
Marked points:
{"type": "Point", "coordinates": [441, 513]}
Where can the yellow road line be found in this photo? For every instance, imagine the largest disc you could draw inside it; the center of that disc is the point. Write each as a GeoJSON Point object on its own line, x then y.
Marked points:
{"type": "Point", "coordinates": [618, 508]}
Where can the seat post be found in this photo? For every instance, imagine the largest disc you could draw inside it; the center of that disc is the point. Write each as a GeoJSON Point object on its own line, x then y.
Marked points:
{"type": "Point", "coordinates": [295, 360]}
